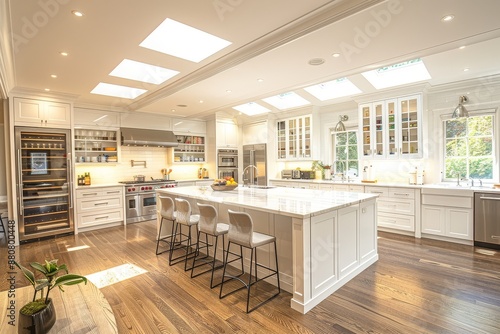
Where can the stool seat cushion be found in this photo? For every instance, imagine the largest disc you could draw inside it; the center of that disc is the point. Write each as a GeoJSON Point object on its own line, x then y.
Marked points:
{"type": "Point", "coordinates": [221, 229]}
{"type": "Point", "coordinates": [259, 239]}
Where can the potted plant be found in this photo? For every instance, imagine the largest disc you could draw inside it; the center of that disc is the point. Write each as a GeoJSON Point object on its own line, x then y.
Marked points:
{"type": "Point", "coordinates": [317, 166]}
{"type": "Point", "coordinates": [38, 316]}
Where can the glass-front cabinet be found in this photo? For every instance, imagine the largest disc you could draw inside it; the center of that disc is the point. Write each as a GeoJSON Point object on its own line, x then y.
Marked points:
{"type": "Point", "coordinates": [294, 138]}
{"type": "Point", "coordinates": [191, 149]}
{"type": "Point", "coordinates": [391, 128]}
{"type": "Point", "coordinates": [96, 146]}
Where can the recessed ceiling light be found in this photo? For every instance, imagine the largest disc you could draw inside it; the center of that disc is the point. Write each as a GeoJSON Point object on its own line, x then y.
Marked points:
{"type": "Point", "coordinates": [182, 41]}
{"type": "Point", "coordinates": [229, 91]}
{"type": "Point", "coordinates": [201, 101]}
{"type": "Point", "coordinates": [447, 18]}
{"type": "Point", "coordinates": [173, 110]}
{"type": "Point", "coordinates": [47, 89]}
{"type": "Point", "coordinates": [336, 55]}
{"type": "Point", "coordinates": [77, 13]}
{"type": "Point", "coordinates": [462, 47]}
{"type": "Point", "coordinates": [63, 53]}
{"type": "Point", "coordinates": [466, 69]}
{"type": "Point", "coordinates": [134, 70]}
{"type": "Point", "coordinates": [316, 61]}
{"type": "Point", "coordinates": [398, 74]}
{"type": "Point", "coordinates": [260, 80]}
{"type": "Point", "coordinates": [117, 91]}
{"type": "Point", "coordinates": [333, 89]}
{"type": "Point", "coordinates": [53, 76]}
{"type": "Point", "coordinates": [251, 109]}
{"type": "Point", "coordinates": [286, 101]}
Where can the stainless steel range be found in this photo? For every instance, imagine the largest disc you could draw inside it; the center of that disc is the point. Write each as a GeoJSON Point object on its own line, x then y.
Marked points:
{"type": "Point", "coordinates": [140, 198]}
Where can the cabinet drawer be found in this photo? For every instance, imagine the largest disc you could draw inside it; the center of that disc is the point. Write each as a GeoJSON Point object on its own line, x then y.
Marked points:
{"type": "Point", "coordinates": [384, 192]}
{"type": "Point", "coordinates": [93, 219]}
{"type": "Point", "coordinates": [449, 201]}
{"type": "Point", "coordinates": [401, 193]}
{"type": "Point", "coordinates": [395, 205]}
{"type": "Point", "coordinates": [399, 222]}
{"type": "Point", "coordinates": [99, 203]}
{"type": "Point", "coordinates": [357, 189]}
{"type": "Point", "coordinates": [99, 192]}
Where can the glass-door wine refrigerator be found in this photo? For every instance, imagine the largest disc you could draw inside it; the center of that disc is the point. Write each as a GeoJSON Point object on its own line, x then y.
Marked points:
{"type": "Point", "coordinates": [44, 182]}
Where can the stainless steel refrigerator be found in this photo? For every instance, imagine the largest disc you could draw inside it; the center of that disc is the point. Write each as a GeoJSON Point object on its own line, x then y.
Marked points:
{"type": "Point", "coordinates": [44, 182]}
{"type": "Point", "coordinates": [254, 164]}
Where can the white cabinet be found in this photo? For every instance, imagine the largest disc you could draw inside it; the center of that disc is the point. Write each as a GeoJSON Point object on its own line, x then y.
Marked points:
{"type": "Point", "coordinates": [294, 141]}
{"type": "Point", "coordinates": [99, 207]}
{"type": "Point", "coordinates": [447, 216]}
{"type": "Point", "coordinates": [191, 149]}
{"type": "Point", "coordinates": [96, 118]}
{"type": "Point", "coordinates": [226, 134]}
{"type": "Point", "coordinates": [396, 207]}
{"type": "Point", "coordinates": [40, 113]}
{"type": "Point", "coordinates": [189, 127]}
{"type": "Point", "coordinates": [96, 146]}
{"type": "Point", "coordinates": [391, 128]}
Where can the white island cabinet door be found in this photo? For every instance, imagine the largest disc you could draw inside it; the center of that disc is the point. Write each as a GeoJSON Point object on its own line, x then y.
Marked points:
{"type": "Point", "coordinates": [323, 252]}
{"type": "Point", "coordinates": [348, 239]}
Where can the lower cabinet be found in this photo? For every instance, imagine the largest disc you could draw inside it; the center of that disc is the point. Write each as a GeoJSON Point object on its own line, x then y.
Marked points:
{"type": "Point", "coordinates": [99, 207]}
{"type": "Point", "coordinates": [396, 207]}
{"type": "Point", "coordinates": [447, 216]}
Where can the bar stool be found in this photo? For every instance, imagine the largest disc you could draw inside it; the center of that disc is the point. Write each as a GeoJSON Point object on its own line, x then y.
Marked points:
{"type": "Point", "coordinates": [183, 218]}
{"type": "Point", "coordinates": [208, 225]}
{"type": "Point", "coordinates": [241, 233]}
{"type": "Point", "coordinates": [167, 212]}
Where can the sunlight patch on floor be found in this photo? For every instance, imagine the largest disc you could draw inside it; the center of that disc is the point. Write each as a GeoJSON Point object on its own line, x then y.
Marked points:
{"type": "Point", "coordinates": [71, 249]}
{"type": "Point", "coordinates": [115, 275]}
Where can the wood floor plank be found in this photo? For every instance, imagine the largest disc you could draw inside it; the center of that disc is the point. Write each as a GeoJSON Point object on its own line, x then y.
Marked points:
{"type": "Point", "coordinates": [417, 286]}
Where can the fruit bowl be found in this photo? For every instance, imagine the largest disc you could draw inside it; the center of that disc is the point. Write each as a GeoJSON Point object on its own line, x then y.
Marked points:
{"type": "Point", "coordinates": [217, 187]}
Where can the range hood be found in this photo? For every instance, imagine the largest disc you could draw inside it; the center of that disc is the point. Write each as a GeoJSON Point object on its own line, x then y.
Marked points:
{"type": "Point", "coordinates": [144, 137]}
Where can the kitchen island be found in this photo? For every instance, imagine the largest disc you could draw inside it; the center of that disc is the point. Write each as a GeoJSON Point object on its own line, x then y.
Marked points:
{"type": "Point", "coordinates": [324, 238]}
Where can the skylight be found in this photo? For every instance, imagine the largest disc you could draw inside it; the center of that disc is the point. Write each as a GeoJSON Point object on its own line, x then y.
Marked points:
{"type": "Point", "coordinates": [398, 74]}
{"type": "Point", "coordinates": [182, 41]}
{"type": "Point", "coordinates": [134, 70]}
{"type": "Point", "coordinates": [252, 109]}
{"type": "Point", "coordinates": [286, 101]}
{"type": "Point", "coordinates": [117, 91]}
{"type": "Point", "coordinates": [333, 89]}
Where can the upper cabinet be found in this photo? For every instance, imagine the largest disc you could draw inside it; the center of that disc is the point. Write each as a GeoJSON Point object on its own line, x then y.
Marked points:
{"type": "Point", "coordinates": [40, 113]}
{"type": "Point", "coordinates": [391, 128]}
{"type": "Point", "coordinates": [141, 120]}
{"type": "Point", "coordinates": [294, 138]}
{"type": "Point", "coordinates": [185, 126]}
{"type": "Point", "coordinates": [96, 118]}
{"type": "Point", "coordinates": [227, 134]}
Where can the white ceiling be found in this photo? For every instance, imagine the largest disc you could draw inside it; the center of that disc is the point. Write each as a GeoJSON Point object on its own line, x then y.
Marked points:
{"type": "Point", "coordinates": [271, 40]}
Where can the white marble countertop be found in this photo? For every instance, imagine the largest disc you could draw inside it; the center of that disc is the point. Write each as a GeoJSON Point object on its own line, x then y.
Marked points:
{"type": "Point", "coordinates": [300, 203]}
{"type": "Point", "coordinates": [443, 185]}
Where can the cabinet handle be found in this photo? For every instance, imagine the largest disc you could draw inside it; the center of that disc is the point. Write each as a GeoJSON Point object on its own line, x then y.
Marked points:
{"type": "Point", "coordinates": [490, 198]}
{"type": "Point", "coordinates": [105, 203]}
{"type": "Point", "coordinates": [113, 192]}
{"type": "Point", "coordinates": [377, 192]}
{"type": "Point", "coordinates": [401, 194]}
{"type": "Point", "coordinates": [20, 184]}
{"type": "Point", "coordinates": [90, 194]}
{"type": "Point", "coordinates": [102, 217]}
{"type": "Point", "coordinates": [495, 237]}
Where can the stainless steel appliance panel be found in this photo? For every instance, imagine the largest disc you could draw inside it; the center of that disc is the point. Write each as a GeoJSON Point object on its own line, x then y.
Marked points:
{"type": "Point", "coordinates": [228, 172]}
{"type": "Point", "coordinates": [296, 174]}
{"type": "Point", "coordinates": [44, 182]}
{"type": "Point", "coordinates": [133, 208]}
{"type": "Point", "coordinates": [227, 158]}
{"type": "Point", "coordinates": [148, 204]}
{"type": "Point", "coordinates": [255, 164]}
{"type": "Point", "coordinates": [487, 220]}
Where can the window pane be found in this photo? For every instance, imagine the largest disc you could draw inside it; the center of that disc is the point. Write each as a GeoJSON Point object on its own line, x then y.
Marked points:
{"type": "Point", "coordinates": [341, 153]}
{"type": "Point", "coordinates": [342, 138]}
{"type": "Point", "coordinates": [454, 166]}
{"type": "Point", "coordinates": [456, 147]}
{"type": "Point", "coordinates": [481, 168]}
{"type": "Point", "coordinates": [480, 146]}
{"type": "Point", "coordinates": [353, 152]}
{"type": "Point", "coordinates": [353, 167]}
{"type": "Point", "coordinates": [480, 126]}
{"type": "Point", "coordinates": [456, 128]}
{"type": "Point", "coordinates": [353, 140]}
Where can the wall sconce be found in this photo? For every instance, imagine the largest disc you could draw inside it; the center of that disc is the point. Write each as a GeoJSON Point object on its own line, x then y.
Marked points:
{"type": "Point", "coordinates": [340, 125]}
{"type": "Point", "coordinates": [460, 110]}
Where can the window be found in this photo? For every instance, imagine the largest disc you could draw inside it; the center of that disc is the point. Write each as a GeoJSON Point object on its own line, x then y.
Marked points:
{"type": "Point", "coordinates": [469, 147]}
{"type": "Point", "coordinates": [345, 152]}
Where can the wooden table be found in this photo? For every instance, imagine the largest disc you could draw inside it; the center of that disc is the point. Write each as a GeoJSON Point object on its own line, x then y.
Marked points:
{"type": "Point", "coordinates": [80, 309]}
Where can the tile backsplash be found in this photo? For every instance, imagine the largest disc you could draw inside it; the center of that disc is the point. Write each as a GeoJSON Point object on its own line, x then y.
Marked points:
{"type": "Point", "coordinates": [156, 158]}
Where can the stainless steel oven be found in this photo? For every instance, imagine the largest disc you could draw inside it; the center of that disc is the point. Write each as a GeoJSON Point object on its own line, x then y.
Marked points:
{"type": "Point", "coordinates": [228, 173]}
{"type": "Point", "coordinates": [140, 198]}
{"type": "Point", "coordinates": [227, 158]}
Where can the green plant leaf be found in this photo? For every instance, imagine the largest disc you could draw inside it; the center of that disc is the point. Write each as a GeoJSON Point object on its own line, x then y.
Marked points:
{"type": "Point", "coordinates": [27, 273]}
{"type": "Point", "coordinates": [69, 279]}
{"type": "Point", "coordinates": [38, 266]}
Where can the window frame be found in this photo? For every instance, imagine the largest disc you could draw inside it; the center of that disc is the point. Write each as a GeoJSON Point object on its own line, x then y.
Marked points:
{"type": "Point", "coordinates": [495, 145]}
{"type": "Point", "coordinates": [333, 141]}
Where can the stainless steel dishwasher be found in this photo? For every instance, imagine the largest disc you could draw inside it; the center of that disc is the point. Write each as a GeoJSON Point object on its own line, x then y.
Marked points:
{"type": "Point", "coordinates": [487, 220]}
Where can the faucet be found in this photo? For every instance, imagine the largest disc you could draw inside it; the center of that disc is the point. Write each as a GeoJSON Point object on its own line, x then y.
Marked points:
{"type": "Point", "coordinates": [472, 182]}
{"type": "Point", "coordinates": [458, 178]}
{"type": "Point", "coordinates": [245, 170]}
{"type": "Point", "coordinates": [342, 174]}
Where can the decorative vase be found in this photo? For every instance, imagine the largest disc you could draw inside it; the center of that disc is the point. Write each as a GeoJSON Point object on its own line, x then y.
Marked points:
{"type": "Point", "coordinates": [328, 174]}
{"type": "Point", "coordinates": [38, 323]}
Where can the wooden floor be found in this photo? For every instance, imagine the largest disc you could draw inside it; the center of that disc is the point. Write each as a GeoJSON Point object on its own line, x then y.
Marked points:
{"type": "Point", "coordinates": [417, 286]}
